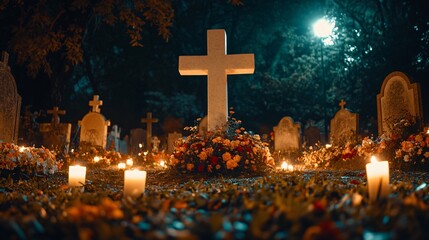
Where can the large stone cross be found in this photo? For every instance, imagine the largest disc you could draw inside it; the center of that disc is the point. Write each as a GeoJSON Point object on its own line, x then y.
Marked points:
{"type": "Point", "coordinates": [95, 103]}
{"type": "Point", "coordinates": [55, 115]}
{"type": "Point", "coordinates": [149, 120]}
{"type": "Point", "coordinates": [217, 65]}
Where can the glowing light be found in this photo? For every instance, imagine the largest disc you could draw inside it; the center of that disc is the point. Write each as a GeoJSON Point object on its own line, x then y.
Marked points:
{"type": "Point", "coordinates": [121, 165]}
{"type": "Point", "coordinates": [373, 159]}
{"type": "Point", "coordinates": [162, 164]}
{"type": "Point", "coordinates": [96, 159]}
{"type": "Point", "coordinates": [284, 166]}
{"type": "Point", "coordinates": [145, 153]}
{"type": "Point", "coordinates": [140, 145]}
{"type": "Point", "coordinates": [21, 149]}
{"type": "Point", "coordinates": [328, 146]}
{"type": "Point", "coordinates": [323, 28]}
{"type": "Point", "coordinates": [130, 162]}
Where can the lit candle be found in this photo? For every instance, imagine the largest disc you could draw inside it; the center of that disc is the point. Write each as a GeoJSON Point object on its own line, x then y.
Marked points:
{"type": "Point", "coordinates": [162, 164]}
{"type": "Point", "coordinates": [21, 149]}
{"type": "Point", "coordinates": [378, 179]}
{"type": "Point", "coordinates": [284, 166]}
{"type": "Point", "coordinates": [77, 175]}
{"type": "Point", "coordinates": [328, 146]}
{"type": "Point", "coordinates": [130, 162]}
{"type": "Point", "coordinates": [121, 166]}
{"type": "Point", "coordinates": [134, 182]}
{"type": "Point", "coordinates": [96, 159]}
{"type": "Point", "coordinates": [140, 145]}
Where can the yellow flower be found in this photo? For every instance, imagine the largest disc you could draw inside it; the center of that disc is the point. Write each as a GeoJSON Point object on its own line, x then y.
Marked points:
{"type": "Point", "coordinates": [237, 158]}
{"type": "Point", "coordinates": [189, 166]}
{"type": "Point", "coordinates": [202, 155]}
{"type": "Point", "coordinates": [226, 156]}
{"type": "Point", "coordinates": [231, 164]}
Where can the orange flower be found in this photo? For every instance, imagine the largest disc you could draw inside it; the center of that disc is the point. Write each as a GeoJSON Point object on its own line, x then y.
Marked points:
{"type": "Point", "coordinates": [231, 164]}
{"type": "Point", "coordinates": [226, 156]}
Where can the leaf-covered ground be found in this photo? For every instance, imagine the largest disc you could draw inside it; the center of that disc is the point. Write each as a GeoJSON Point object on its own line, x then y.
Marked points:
{"type": "Point", "coordinates": [279, 205]}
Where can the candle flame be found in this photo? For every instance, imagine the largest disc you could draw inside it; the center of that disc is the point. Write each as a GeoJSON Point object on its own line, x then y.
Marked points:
{"type": "Point", "coordinates": [121, 165]}
{"type": "Point", "coordinates": [21, 149]}
{"type": "Point", "coordinates": [96, 159]}
{"type": "Point", "coordinates": [130, 161]}
{"type": "Point", "coordinates": [284, 166]}
{"type": "Point", "coordinates": [162, 163]}
{"type": "Point", "coordinates": [374, 159]}
{"type": "Point", "coordinates": [328, 145]}
{"type": "Point", "coordinates": [140, 145]}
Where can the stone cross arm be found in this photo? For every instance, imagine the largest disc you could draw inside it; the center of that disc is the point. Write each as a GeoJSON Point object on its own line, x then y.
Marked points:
{"type": "Point", "coordinates": [55, 114]}
{"type": "Point", "coordinates": [231, 64]}
{"type": "Point", "coordinates": [4, 58]}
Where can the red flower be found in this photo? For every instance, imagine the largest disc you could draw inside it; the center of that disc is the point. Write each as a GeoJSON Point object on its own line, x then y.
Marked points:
{"type": "Point", "coordinates": [354, 181]}
{"type": "Point", "coordinates": [214, 160]}
{"type": "Point", "coordinates": [200, 168]}
{"type": "Point", "coordinates": [239, 149]}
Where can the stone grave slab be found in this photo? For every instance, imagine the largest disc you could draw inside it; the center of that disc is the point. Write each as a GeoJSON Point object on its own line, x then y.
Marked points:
{"type": "Point", "coordinates": [286, 135]}
{"type": "Point", "coordinates": [171, 139]}
{"type": "Point", "coordinates": [344, 126]}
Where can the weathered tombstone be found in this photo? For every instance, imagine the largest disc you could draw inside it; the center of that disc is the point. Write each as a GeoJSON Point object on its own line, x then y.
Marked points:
{"type": "Point", "coordinates": [311, 135]}
{"type": "Point", "coordinates": [286, 135]}
{"type": "Point", "coordinates": [94, 125]}
{"type": "Point", "coordinates": [56, 135]}
{"type": "Point", "coordinates": [113, 138]}
{"type": "Point", "coordinates": [344, 126]}
{"type": "Point", "coordinates": [155, 142]}
{"type": "Point", "coordinates": [137, 139]}
{"type": "Point", "coordinates": [202, 126]}
{"type": "Point", "coordinates": [149, 120]}
{"type": "Point", "coordinates": [124, 145]}
{"type": "Point", "coordinates": [397, 100]}
{"type": "Point", "coordinates": [10, 103]}
{"type": "Point", "coordinates": [216, 65]}
{"type": "Point", "coordinates": [171, 139]}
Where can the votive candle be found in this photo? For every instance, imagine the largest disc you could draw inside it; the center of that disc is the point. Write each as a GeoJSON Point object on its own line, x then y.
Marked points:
{"type": "Point", "coordinates": [77, 175]}
{"type": "Point", "coordinates": [134, 182]}
{"type": "Point", "coordinates": [377, 173]}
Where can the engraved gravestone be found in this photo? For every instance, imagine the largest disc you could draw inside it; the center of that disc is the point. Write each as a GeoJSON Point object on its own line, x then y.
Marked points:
{"type": "Point", "coordinates": [56, 135]}
{"type": "Point", "coordinates": [94, 125]}
{"type": "Point", "coordinates": [398, 99]}
{"type": "Point", "coordinates": [10, 103]}
{"type": "Point", "coordinates": [286, 135]}
{"type": "Point", "coordinates": [311, 136]}
{"type": "Point", "coordinates": [344, 126]}
{"type": "Point", "coordinates": [202, 126]}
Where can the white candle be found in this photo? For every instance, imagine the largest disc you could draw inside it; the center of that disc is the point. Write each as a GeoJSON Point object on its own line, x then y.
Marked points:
{"type": "Point", "coordinates": [134, 182]}
{"type": "Point", "coordinates": [77, 175]}
{"type": "Point", "coordinates": [378, 179]}
{"type": "Point", "coordinates": [121, 165]}
{"type": "Point", "coordinates": [130, 162]}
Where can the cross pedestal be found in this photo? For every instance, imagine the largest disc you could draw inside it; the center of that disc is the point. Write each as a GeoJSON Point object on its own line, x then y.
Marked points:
{"type": "Point", "coordinates": [216, 65]}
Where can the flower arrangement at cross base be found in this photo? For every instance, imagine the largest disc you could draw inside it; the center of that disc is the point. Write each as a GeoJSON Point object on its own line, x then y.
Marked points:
{"type": "Point", "coordinates": [14, 158]}
{"type": "Point", "coordinates": [226, 150]}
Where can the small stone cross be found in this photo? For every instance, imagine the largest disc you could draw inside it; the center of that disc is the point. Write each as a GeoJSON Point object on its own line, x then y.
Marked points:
{"type": "Point", "coordinates": [149, 120]}
{"type": "Point", "coordinates": [55, 115]}
{"type": "Point", "coordinates": [95, 103]}
{"type": "Point", "coordinates": [217, 64]}
{"type": "Point", "coordinates": [342, 103]}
